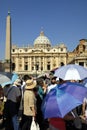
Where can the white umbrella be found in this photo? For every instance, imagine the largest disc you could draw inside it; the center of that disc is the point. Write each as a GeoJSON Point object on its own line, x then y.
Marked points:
{"type": "Point", "coordinates": [71, 72]}
{"type": "Point", "coordinates": [6, 77]}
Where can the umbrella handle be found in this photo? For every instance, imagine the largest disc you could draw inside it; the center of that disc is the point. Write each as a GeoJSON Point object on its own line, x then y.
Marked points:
{"type": "Point", "coordinates": [73, 114]}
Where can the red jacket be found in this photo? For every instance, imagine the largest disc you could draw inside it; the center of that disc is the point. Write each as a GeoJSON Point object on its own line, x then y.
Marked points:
{"type": "Point", "coordinates": [58, 123]}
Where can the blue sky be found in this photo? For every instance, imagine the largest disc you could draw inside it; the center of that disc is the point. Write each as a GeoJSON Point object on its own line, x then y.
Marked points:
{"type": "Point", "coordinates": [63, 21]}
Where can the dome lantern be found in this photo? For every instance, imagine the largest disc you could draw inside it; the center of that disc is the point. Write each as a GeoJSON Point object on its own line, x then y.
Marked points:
{"type": "Point", "coordinates": [41, 33]}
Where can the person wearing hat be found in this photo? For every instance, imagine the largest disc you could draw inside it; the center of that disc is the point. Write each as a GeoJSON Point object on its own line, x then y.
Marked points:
{"type": "Point", "coordinates": [12, 105]}
{"type": "Point", "coordinates": [29, 104]}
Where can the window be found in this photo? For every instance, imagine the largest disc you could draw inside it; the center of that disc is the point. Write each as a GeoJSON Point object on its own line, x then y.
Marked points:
{"type": "Point", "coordinates": [48, 67]}
{"type": "Point", "coordinates": [37, 67]}
{"type": "Point", "coordinates": [20, 50]}
{"type": "Point", "coordinates": [41, 68]}
{"type": "Point", "coordinates": [81, 63]}
{"type": "Point", "coordinates": [61, 49]}
{"type": "Point", "coordinates": [62, 64]}
{"type": "Point", "coordinates": [20, 65]}
{"type": "Point", "coordinates": [26, 67]}
{"type": "Point", "coordinates": [13, 50]}
{"type": "Point", "coordinates": [32, 67]}
{"type": "Point", "coordinates": [13, 66]}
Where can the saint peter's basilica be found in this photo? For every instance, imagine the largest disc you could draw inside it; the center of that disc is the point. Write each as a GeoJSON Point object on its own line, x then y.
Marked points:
{"type": "Point", "coordinates": [41, 56]}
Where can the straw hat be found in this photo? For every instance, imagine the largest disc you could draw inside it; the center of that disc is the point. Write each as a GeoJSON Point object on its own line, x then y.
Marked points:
{"type": "Point", "coordinates": [30, 84]}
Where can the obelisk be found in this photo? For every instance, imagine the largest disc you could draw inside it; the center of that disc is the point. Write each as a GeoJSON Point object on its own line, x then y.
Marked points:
{"type": "Point", "coordinates": [8, 44]}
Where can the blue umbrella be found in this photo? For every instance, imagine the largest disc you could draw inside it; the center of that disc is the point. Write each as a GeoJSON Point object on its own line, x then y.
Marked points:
{"type": "Point", "coordinates": [75, 89]}
{"type": "Point", "coordinates": [85, 82]}
{"type": "Point", "coordinates": [62, 99]}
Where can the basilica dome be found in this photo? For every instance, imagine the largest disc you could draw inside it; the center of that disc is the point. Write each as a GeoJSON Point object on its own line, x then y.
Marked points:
{"type": "Point", "coordinates": [42, 41]}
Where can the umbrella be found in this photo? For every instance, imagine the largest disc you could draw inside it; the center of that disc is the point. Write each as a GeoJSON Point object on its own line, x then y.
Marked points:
{"type": "Point", "coordinates": [71, 72]}
{"type": "Point", "coordinates": [7, 78]}
{"type": "Point", "coordinates": [62, 99]}
{"type": "Point", "coordinates": [85, 82]}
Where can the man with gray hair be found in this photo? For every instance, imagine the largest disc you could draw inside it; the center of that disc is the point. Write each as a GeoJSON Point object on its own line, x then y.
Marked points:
{"type": "Point", "coordinates": [12, 104]}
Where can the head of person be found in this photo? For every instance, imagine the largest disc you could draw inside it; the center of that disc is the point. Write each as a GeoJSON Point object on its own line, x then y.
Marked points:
{"type": "Point", "coordinates": [26, 77]}
{"type": "Point", "coordinates": [53, 80]}
{"type": "Point", "coordinates": [18, 82]}
{"type": "Point", "coordinates": [40, 82]}
{"type": "Point", "coordinates": [61, 81]}
{"type": "Point", "coordinates": [30, 84]}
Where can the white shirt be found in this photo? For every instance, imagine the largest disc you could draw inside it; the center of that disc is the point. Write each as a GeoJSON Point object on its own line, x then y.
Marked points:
{"type": "Point", "coordinates": [51, 87]}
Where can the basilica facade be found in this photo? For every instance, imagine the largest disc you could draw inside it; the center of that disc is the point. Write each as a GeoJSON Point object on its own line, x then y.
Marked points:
{"type": "Point", "coordinates": [39, 58]}
{"type": "Point", "coordinates": [42, 57]}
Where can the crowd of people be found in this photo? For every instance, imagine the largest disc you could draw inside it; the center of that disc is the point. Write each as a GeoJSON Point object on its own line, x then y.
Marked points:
{"type": "Point", "coordinates": [22, 100]}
